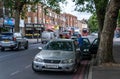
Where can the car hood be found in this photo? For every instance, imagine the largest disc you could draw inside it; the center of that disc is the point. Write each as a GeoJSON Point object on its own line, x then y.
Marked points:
{"type": "Point", "coordinates": [58, 54]}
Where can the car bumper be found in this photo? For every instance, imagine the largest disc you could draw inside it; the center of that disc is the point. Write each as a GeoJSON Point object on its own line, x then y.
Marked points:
{"type": "Point", "coordinates": [53, 67]}
{"type": "Point", "coordinates": [8, 45]}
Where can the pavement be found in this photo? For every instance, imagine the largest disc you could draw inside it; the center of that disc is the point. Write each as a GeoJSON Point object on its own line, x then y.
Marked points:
{"type": "Point", "coordinates": [107, 71]}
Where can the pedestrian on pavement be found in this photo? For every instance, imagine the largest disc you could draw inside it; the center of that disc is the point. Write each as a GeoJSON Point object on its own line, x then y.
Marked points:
{"type": "Point", "coordinates": [80, 42]}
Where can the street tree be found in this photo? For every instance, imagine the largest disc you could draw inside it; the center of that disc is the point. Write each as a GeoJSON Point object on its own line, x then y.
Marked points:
{"type": "Point", "coordinates": [93, 6]}
{"type": "Point", "coordinates": [105, 51]}
{"type": "Point", "coordinates": [93, 23]}
{"type": "Point", "coordinates": [107, 14]}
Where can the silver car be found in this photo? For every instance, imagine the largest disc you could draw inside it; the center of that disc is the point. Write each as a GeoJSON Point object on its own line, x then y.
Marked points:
{"type": "Point", "coordinates": [57, 55]}
{"type": "Point", "coordinates": [13, 41]}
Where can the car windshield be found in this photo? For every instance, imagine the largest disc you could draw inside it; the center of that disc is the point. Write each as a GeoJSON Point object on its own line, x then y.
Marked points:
{"type": "Point", "coordinates": [59, 45]}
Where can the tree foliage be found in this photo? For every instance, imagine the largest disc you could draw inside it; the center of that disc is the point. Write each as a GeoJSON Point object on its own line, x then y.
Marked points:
{"type": "Point", "coordinates": [85, 5]}
{"type": "Point", "coordinates": [107, 14]}
{"type": "Point", "coordinates": [93, 23]}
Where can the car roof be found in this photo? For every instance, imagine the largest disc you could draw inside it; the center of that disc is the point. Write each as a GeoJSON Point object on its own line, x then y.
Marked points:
{"type": "Point", "coordinates": [62, 40]}
{"type": "Point", "coordinates": [6, 33]}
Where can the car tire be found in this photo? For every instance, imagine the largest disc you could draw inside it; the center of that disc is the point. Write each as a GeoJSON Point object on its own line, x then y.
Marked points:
{"type": "Point", "coordinates": [26, 46]}
{"type": "Point", "coordinates": [2, 49]}
{"type": "Point", "coordinates": [42, 42]}
{"type": "Point", "coordinates": [12, 48]}
{"type": "Point", "coordinates": [34, 69]}
{"type": "Point", "coordinates": [74, 70]}
{"type": "Point", "coordinates": [18, 46]}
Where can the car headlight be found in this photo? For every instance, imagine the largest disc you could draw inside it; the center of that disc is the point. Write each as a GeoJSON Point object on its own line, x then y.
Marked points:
{"type": "Point", "coordinates": [86, 50]}
{"type": "Point", "coordinates": [37, 59]}
{"type": "Point", "coordinates": [67, 61]}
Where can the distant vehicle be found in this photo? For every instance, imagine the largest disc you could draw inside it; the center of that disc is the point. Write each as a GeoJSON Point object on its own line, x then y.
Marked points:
{"type": "Point", "coordinates": [12, 41]}
{"type": "Point", "coordinates": [94, 34]}
{"type": "Point", "coordinates": [57, 55]}
{"type": "Point", "coordinates": [117, 32]}
{"type": "Point", "coordinates": [66, 34]}
{"type": "Point", "coordinates": [47, 36]}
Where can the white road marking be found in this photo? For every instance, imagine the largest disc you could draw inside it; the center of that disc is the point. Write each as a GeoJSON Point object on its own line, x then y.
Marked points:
{"type": "Point", "coordinates": [14, 73]}
{"type": "Point", "coordinates": [27, 66]}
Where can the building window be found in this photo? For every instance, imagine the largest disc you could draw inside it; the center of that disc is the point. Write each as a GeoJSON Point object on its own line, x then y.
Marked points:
{"type": "Point", "coordinates": [29, 19]}
{"type": "Point", "coordinates": [35, 19]}
{"type": "Point", "coordinates": [29, 8]}
{"type": "Point", "coordinates": [36, 8]}
{"type": "Point", "coordinates": [50, 14]}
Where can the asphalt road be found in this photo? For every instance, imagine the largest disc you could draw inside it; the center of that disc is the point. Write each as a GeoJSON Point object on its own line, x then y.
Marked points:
{"type": "Point", "coordinates": [17, 65]}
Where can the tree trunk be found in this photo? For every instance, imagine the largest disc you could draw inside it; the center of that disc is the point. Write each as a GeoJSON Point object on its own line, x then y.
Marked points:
{"type": "Point", "coordinates": [100, 12]}
{"type": "Point", "coordinates": [105, 51]}
{"type": "Point", "coordinates": [17, 20]}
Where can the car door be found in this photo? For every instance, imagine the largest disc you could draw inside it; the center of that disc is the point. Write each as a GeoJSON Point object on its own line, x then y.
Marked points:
{"type": "Point", "coordinates": [94, 46]}
{"type": "Point", "coordinates": [77, 52]}
{"type": "Point", "coordinates": [86, 44]}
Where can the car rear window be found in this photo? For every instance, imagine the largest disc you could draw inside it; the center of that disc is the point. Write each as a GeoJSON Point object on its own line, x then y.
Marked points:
{"type": "Point", "coordinates": [6, 36]}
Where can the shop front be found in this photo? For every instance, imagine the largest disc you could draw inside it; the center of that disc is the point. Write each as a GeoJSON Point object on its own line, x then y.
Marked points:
{"type": "Point", "coordinates": [33, 30]}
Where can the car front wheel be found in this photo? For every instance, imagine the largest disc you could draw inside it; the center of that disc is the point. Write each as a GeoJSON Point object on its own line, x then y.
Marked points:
{"type": "Point", "coordinates": [2, 48]}
{"type": "Point", "coordinates": [26, 46]}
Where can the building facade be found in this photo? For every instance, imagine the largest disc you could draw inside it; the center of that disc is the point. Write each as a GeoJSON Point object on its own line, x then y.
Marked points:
{"type": "Point", "coordinates": [45, 18]}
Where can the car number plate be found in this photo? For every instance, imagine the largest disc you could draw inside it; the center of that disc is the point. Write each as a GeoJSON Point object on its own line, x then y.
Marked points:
{"type": "Point", "coordinates": [6, 40]}
{"type": "Point", "coordinates": [51, 66]}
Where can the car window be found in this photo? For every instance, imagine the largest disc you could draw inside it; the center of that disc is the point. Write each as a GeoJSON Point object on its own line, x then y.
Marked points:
{"type": "Point", "coordinates": [86, 41]}
{"type": "Point", "coordinates": [95, 42]}
{"type": "Point", "coordinates": [6, 36]}
{"type": "Point", "coordinates": [59, 45]}
{"type": "Point", "coordinates": [18, 35]}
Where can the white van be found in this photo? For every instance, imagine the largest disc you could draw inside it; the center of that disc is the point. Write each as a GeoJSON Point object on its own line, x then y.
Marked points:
{"type": "Point", "coordinates": [47, 36]}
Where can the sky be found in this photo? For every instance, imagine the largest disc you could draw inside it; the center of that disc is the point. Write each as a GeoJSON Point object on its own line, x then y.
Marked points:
{"type": "Point", "coordinates": [69, 8]}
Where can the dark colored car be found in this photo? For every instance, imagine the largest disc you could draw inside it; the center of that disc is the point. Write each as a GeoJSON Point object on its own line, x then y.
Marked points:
{"type": "Point", "coordinates": [85, 53]}
{"type": "Point", "coordinates": [94, 46]}
{"type": "Point", "coordinates": [89, 48]}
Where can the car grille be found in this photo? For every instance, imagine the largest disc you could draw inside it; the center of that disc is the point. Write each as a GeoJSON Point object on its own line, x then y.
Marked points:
{"type": "Point", "coordinates": [52, 61]}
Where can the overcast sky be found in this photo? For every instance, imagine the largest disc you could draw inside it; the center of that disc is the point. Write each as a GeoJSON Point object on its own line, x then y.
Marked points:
{"type": "Point", "coordinates": [69, 8]}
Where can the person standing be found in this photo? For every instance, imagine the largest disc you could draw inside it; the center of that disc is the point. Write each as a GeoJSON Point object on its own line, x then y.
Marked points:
{"type": "Point", "coordinates": [80, 42]}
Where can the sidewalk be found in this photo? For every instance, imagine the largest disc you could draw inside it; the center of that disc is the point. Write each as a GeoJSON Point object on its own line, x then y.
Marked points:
{"type": "Point", "coordinates": [109, 71]}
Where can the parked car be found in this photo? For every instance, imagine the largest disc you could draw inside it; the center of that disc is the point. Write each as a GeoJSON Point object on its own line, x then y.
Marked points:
{"type": "Point", "coordinates": [94, 46]}
{"type": "Point", "coordinates": [57, 55]}
{"type": "Point", "coordinates": [12, 41]}
{"type": "Point", "coordinates": [85, 53]}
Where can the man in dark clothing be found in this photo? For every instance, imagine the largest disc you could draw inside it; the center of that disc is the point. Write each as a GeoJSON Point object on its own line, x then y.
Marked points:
{"type": "Point", "coordinates": [80, 42]}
